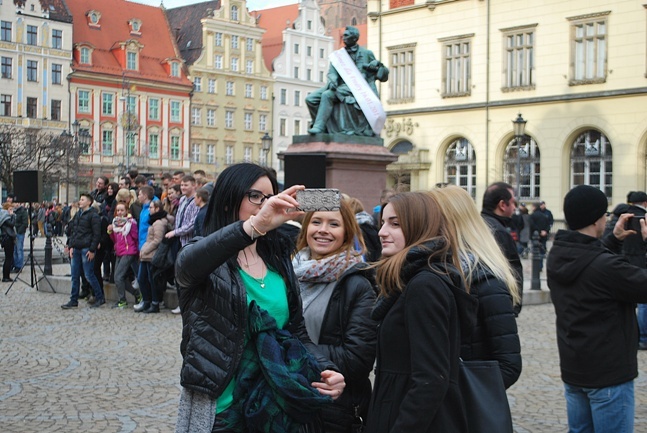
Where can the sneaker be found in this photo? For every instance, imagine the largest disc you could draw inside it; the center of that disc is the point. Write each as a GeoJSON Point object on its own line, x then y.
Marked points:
{"type": "Point", "coordinates": [69, 305]}
{"type": "Point", "coordinates": [176, 310]}
{"type": "Point", "coordinates": [142, 306]}
{"type": "Point", "coordinates": [138, 298]}
{"type": "Point", "coordinates": [121, 304]}
{"type": "Point", "coordinates": [98, 303]}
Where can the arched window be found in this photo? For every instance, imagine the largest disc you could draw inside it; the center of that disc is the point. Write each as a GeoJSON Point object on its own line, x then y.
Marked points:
{"type": "Point", "coordinates": [234, 13]}
{"type": "Point", "coordinates": [460, 166]}
{"type": "Point", "coordinates": [527, 163]}
{"type": "Point", "coordinates": [353, 22]}
{"type": "Point", "coordinates": [591, 161]}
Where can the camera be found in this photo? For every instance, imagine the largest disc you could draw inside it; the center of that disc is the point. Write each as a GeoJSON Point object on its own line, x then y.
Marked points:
{"type": "Point", "coordinates": [633, 223]}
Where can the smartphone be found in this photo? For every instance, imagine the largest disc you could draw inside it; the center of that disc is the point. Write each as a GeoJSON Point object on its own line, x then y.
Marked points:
{"type": "Point", "coordinates": [633, 223]}
{"type": "Point", "coordinates": [318, 199]}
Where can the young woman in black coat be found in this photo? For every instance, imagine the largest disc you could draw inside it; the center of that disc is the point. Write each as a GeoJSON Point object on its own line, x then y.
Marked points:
{"type": "Point", "coordinates": [422, 317]}
{"type": "Point", "coordinates": [338, 293]}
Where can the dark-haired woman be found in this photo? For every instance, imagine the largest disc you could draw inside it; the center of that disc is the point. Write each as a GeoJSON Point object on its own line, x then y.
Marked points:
{"type": "Point", "coordinates": [240, 303]}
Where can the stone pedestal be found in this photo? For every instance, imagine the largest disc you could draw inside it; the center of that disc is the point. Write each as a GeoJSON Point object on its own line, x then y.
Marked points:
{"type": "Point", "coordinates": [354, 165]}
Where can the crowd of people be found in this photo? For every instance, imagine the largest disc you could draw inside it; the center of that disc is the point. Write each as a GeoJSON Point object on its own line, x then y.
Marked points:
{"type": "Point", "coordinates": [285, 313]}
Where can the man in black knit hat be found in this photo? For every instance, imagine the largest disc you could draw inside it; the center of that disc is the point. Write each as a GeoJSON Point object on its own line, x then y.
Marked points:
{"type": "Point", "coordinates": [594, 291]}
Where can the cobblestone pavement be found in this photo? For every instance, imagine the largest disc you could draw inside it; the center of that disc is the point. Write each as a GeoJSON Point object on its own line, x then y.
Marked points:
{"type": "Point", "coordinates": [108, 370]}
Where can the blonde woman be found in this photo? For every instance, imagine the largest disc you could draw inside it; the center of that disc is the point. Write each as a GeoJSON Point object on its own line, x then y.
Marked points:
{"type": "Point", "coordinates": [490, 279]}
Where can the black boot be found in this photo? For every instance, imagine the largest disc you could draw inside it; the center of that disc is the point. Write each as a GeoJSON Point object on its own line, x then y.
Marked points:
{"type": "Point", "coordinates": [154, 308]}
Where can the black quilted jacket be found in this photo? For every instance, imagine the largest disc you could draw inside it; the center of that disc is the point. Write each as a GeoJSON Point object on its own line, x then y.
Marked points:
{"type": "Point", "coordinates": [213, 301]}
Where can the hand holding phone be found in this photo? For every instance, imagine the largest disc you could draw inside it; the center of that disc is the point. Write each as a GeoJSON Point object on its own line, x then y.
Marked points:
{"type": "Point", "coordinates": [318, 199]}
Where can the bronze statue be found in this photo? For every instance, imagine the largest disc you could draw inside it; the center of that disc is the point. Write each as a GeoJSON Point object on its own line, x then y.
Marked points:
{"type": "Point", "coordinates": [348, 107]}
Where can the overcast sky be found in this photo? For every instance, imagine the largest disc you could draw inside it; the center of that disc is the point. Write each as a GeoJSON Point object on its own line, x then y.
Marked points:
{"type": "Point", "coordinates": [252, 5]}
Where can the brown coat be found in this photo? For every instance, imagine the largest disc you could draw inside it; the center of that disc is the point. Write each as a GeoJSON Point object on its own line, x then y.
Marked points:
{"type": "Point", "coordinates": [155, 235]}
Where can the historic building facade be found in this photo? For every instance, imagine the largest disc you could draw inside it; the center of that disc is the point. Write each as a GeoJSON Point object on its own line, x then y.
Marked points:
{"type": "Point", "coordinates": [232, 89]}
{"type": "Point", "coordinates": [341, 13]}
{"type": "Point", "coordinates": [129, 90]}
{"type": "Point", "coordinates": [462, 71]}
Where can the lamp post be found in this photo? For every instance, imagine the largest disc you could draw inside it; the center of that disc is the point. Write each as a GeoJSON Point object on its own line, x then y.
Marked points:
{"type": "Point", "coordinates": [80, 139]}
{"type": "Point", "coordinates": [266, 145]}
{"type": "Point", "coordinates": [519, 127]}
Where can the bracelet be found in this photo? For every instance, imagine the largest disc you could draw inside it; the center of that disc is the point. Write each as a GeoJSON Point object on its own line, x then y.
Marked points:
{"type": "Point", "coordinates": [251, 222]}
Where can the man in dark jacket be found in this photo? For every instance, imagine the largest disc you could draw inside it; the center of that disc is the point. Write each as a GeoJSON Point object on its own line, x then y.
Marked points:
{"type": "Point", "coordinates": [99, 193]}
{"type": "Point", "coordinates": [594, 292]}
{"type": "Point", "coordinates": [22, 222]}
{"type": "Point", "coordinates": [499, 205]}
{"type": "Point", "coordinates": [83, 237]}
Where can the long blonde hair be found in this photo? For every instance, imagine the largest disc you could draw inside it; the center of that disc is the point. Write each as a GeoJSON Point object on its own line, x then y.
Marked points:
{"type": "Point", "coordinates": [421, 220]}
{"type": "Point", "coordinates": [475, 243]}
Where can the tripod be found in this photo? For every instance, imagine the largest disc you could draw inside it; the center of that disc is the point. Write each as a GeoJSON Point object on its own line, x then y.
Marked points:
{"type": "Point", "coordinates": [34, 279]}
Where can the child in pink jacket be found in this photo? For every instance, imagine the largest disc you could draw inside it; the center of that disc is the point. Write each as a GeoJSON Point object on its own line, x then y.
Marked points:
{"type": "Point", "coordinates": [124, 234]}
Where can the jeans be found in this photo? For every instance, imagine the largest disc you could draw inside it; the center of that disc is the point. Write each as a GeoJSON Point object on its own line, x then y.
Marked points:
{"type": "Point", "coordinates": [642, 322]}
{"type": "Point", "coordinates": [80, 261]}
{"type": "Point", "coordinates": [123, 264]}
{"type": "Point", "coordinates": [600, 410]}
{"type": "Point", "coordinates": [19, 252]}
{"type": "Point", "coordinates": [150, 293]}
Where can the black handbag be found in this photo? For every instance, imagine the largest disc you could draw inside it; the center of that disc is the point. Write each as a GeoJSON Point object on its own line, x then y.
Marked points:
{"type": "Point", "coordinates": [166, 253]}
{"type": "Point", "coordinates": [486, 403]}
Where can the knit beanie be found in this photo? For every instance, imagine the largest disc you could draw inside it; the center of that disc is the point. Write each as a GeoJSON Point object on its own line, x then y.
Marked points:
{"type": "Point", "coordinates": [583, 206]}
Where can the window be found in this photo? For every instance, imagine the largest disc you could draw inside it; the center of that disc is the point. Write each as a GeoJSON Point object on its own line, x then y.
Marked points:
{"type": "Point", "coordinates": [55, 109]}
{"type": "Point", "coordinates": [264, 93]}
{"type": "Point", "coordinates": [402, 73]}
{"type": "Point", "coordinates": [229, 119]}
{"type": "Point", "coordinates": [519, 59]}
{"type": "Point", "coordinates": [297, 127]}
{"type": "Point", "coordinates": [297, 98]}
{"type": "Point", "coordinates": [262, 122]}
{"type": "Point", "coordinates": [248, 91]}
{"type": "Point", "coordinates": [32, 35]}
{"type": "Point", "coordinates": [175, 111]}
{"type": "Point", "coordinates": [249, 67]}
{"type": "Point", "coordinates": [57, 39]}
{"type": "Point", "coordinates": [211, 86]}
{"type": "Point", "coordinates": [211, 117]}
{"type": "Point", "coordinates": [131, 143]}
{"type": "Point", "coordinates": [84, 101]}
{"type": "Point", "coordinates": [296, 48]}
{"type": "Point", "coordinates": [131, 61]}
{"type": "Point", "coordinates": [589, 50]}
{"type": "Point", "coordinates": [211, 154]}
{"type": "Point", "coordinates": [322, 53]}
{"type": "Point", "coordinates": [107, 104]}
{"type": "Point", "coordinates": [309, 25]}
{"type": "Point", "coordinates": [218, 62]}
{"type": "Point", "coordinates": [460, 166]}
{"type": "Point", "coordinates": [456, 68]}
{"type": "Point", "coordinates": [106, 142]}
{"type": "Point", "coordinates": [132, 105]}
{"type": "Point", "coordinates": [195, 152]}
{"type": "Point", "coordinates": [284, 97]}
{"type": "Point", "coordinates": [247, 155]}
{"type": "Point", "coordinates": [591, 160]}
{"type": "Point", "coordinates": [321, 76]}
{"type": "Point", "coordinates": [283, 128]}
{"type": "Point", "coordinates": [249, 44]}
{"type": "Point", "coordinates": [57, 73]}
{"type": "Point", "coordinates": [7, 69]}
{"type": "Point", "coordinates": [229, 155]}
{"type": "Point", "coordinates": [527, 162]}
{"type": "Point", "coordinates": [197, 84]}
{"type": "Point", "coordinates": [85, 56]}
{"type": "Point", "coordinates": [32, 108]}
{"type": "Point", "coordinates": [234, 64]}
{"type": "Point", "coordinates": [234, 13]}
{"type": "Point", "coordinates": [234, 42]}
{"type": "Point", "coordinates": [153, 146]}
{"type": "Point", "coordinates": [5, 31]}
{"type": "Point", "coordinates": [154, 109]}
{"type": "Point", "coordinates": [175, 69]}
{"type": "Point", "coordinates": [229, 88]}
{"type": "Point", "coordinates": [32, 70]}
{"type": "Point", "coordinates": [308, 74]}
{"type": "Point", "coordinates": [5, 105]}
{"type": "Point", "coordinates": [309, 51]}
{"type": "Point", "coordinates": [296, 72]}
{"type": "Point", "coordinates": [196, 116]}
{"type": "Point", "coordinates": [218, 39]}
{"type": "Point", "coordinates": [249, 119]}
{"type": "Point", "coordinates": [175, 147]}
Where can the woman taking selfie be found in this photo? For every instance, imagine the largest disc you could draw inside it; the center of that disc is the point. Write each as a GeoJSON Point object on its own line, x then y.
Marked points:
{"type": "Point", "coordinates": [423, 310]}
{"type": "Point", "coordinates": [238, 295]}
{"type": "Point", "coordinates": [490, 280]}
{"type": "Point", "coordinates": [338, 295]}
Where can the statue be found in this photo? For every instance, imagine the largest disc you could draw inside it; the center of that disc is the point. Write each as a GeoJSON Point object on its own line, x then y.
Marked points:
{"type": "Point", "coordinates": [349, 103]}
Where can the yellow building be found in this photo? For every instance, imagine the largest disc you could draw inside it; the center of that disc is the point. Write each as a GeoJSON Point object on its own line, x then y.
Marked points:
{"type": "Point", "coordinates": [462, 71]}
{"type": "Point", "coordinates": [232, 89]}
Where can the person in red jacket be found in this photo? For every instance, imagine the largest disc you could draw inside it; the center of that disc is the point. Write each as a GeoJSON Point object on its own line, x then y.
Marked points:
{"type": "Point", "coordinates": [124, 234]}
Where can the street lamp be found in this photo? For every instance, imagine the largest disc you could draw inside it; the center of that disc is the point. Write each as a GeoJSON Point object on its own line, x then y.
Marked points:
{"type": "Point", "coordinates": [266, 145]}
{"type": "Point", "coordinates": [80, 140]}
{"type": "Point", "coordinates": [519, 127]}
